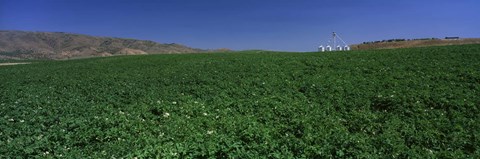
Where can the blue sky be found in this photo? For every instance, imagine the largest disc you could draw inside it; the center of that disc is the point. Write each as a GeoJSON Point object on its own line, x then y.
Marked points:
{"type": "Point", "coordinates": [284, 25]}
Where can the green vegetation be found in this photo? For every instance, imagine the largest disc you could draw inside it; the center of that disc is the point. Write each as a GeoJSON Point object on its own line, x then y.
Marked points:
{"type": "Point", "coordinates": [405, 103]}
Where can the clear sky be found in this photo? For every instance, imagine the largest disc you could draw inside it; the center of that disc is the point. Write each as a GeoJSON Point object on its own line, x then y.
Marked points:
{"type": "Point", "coordinates": [284, 25]}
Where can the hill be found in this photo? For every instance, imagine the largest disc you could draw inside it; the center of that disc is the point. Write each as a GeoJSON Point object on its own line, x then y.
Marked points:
{"type": "Point", "coordinates": [415, 43]}
{"type": "Point", "coordinates": [395, 103]}
{"type": "Point", "coordinates": [58, 45]}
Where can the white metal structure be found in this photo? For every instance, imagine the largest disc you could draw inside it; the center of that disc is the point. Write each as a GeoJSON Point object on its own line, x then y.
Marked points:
{"type": "Point", "coordinates": [321, 48]}
{"type": "Point", "coordinates": [328, 48]}
{"type": "Point", "coordinates": [334, 47]}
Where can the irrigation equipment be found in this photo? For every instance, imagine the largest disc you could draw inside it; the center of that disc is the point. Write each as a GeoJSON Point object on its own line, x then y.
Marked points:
{"type": "Point", "coordinates": [333, 40]}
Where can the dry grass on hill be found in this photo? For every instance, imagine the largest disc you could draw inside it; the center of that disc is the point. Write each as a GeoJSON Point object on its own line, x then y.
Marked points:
{"type": "Point", "coordinates": [415, 43]}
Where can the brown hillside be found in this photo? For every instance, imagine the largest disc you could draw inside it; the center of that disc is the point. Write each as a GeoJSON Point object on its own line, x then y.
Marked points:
{"type": "Point", "coordinates": [57, 45]}
{"type": "Point", "coordinates": [415, 43]}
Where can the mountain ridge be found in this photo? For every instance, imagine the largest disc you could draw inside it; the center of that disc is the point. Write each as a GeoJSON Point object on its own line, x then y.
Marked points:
{"type": "Point", "coordinates": [60, 45]}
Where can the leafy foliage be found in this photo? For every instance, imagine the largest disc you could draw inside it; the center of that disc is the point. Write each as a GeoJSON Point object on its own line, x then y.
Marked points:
{"type": "Point", "coordinates": [404, 103]}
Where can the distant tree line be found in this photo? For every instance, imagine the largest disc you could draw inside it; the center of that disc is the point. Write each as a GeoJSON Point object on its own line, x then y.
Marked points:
{"type": "Point", "coordinates": [397, 40]}
{"type": "Point", "coordinates": [16, 52]}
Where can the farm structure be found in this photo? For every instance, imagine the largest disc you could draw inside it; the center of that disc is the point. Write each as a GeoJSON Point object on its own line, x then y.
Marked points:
{"type": "Point", "coordinates": [332, 44]}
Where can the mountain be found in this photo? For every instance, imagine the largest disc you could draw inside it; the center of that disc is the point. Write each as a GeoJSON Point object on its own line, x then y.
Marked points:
{"type": "Point", "coordinates": [392, 44]}
{"type": "Point", "coordinates": [59, 45]}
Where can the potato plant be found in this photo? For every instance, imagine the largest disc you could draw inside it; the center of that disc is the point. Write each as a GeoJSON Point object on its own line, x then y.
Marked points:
{"type": "Point", "coordinates": [402, 103]}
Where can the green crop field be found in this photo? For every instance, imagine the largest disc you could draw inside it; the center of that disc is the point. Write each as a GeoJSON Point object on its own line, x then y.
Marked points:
{"type": "Point", "coordinates": [402, 103]}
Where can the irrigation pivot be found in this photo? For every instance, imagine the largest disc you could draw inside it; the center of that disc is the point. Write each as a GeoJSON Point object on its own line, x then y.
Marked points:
{"type": "Point", "coordinates": [334, 47]}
